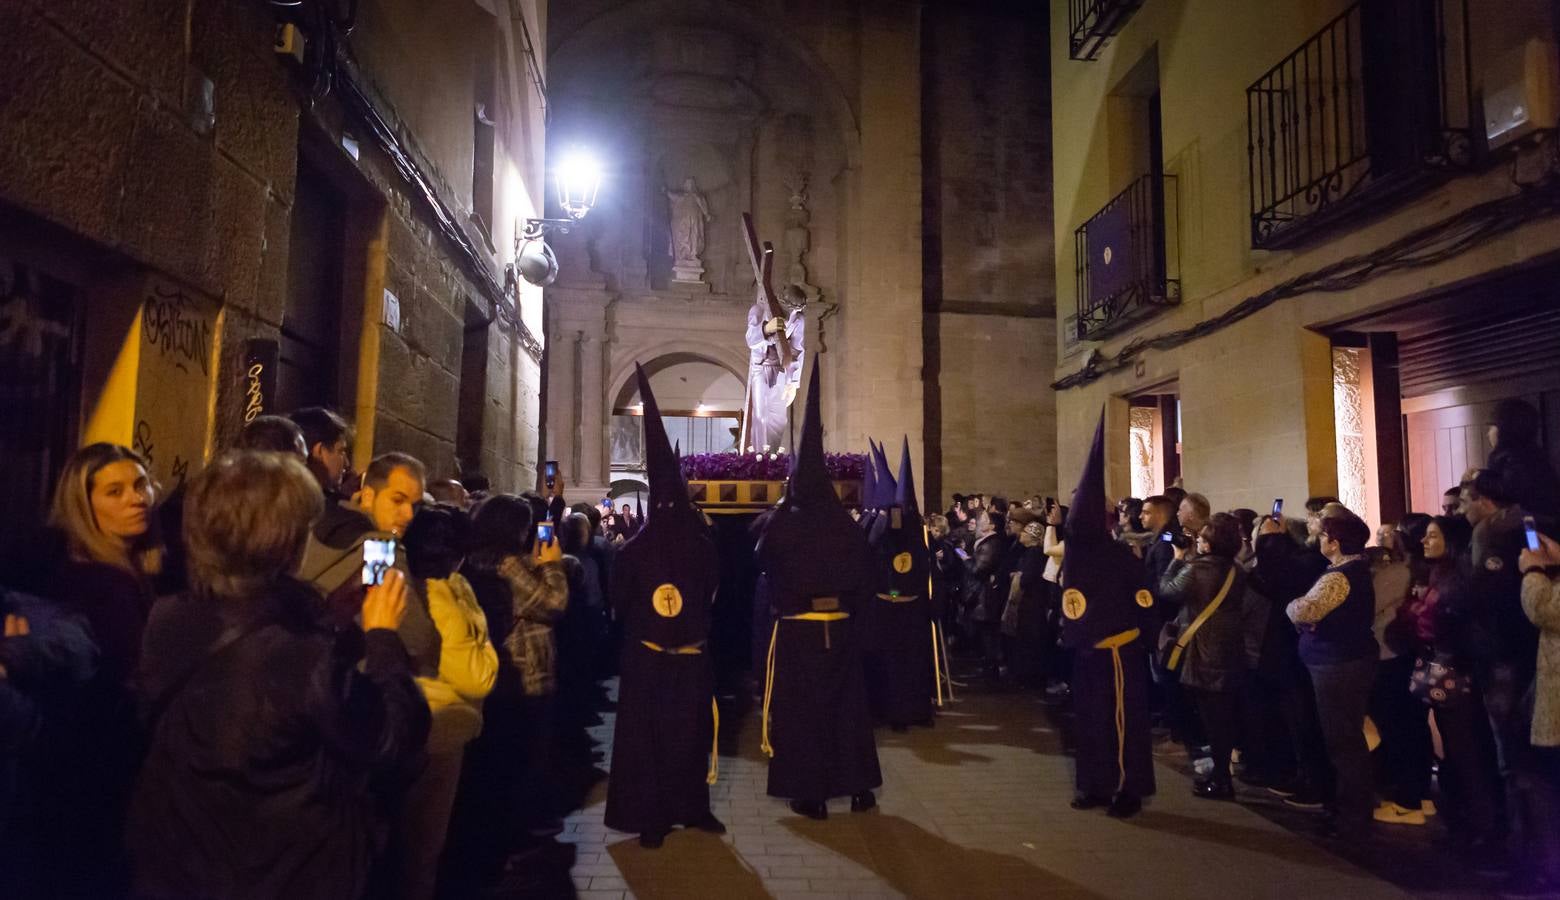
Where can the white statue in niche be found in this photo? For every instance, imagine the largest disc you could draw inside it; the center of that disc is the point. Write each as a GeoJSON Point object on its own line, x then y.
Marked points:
{"type": "Point", "coordinates": [689, 213]}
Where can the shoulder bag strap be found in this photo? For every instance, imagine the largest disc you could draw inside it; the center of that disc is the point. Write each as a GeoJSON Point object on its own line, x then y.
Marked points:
{"type": "Point", "coordinates": [1205, 615]}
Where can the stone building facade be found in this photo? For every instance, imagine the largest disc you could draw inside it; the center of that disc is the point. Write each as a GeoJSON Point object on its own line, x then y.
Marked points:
{"type": "Point", "coordinates": [1350, 266]}
{"type": "Point", "coordinates": [198, 225]}
{"type": "Point", "coordinates": [895, 154]}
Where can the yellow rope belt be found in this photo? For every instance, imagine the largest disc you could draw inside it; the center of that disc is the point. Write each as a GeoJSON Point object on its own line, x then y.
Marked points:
{"type": "Point", "coordinates": [685, 650]}
{"type": "Point", "coordinates": [1114, 643]}
{"type": "Point", "coordinates": [714, 744]}
{"type": "Point", "coordinates": [769, 668]}
{"type": "Point", "coordinates": [695, 650]}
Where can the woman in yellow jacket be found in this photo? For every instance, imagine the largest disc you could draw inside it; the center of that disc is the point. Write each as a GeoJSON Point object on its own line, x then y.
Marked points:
{"type": "Point", "coordinates": [468, 667]}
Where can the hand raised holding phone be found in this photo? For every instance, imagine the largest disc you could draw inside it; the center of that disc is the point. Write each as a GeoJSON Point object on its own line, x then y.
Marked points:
{"type": "Point", "coordinates": [385, 605]}
{"type": "Point", "coordinates": [547, 548]}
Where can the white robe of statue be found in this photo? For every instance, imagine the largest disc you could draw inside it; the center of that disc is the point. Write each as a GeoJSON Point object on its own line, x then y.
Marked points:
{"type": "Point", "coordinates": [770, 387]}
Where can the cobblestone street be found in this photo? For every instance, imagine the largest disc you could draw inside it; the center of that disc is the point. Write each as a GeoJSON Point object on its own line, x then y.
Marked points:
{"type": "Point", "coordinates": [975, 807]}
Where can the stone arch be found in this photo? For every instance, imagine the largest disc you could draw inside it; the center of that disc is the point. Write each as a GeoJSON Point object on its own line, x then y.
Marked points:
{"type": "Point", "coordinates": [732, 360]}
{"type": "Point", "coordinates": [737, 17]}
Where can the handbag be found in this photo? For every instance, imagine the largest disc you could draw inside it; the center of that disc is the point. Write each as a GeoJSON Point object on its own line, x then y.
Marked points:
{"type": "Point", "coordinates": [1438, 684]}
{"type": "Point", "coordinates": [1173, 639]}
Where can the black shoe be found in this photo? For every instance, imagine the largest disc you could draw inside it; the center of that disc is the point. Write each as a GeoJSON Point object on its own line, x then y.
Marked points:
{"type": "Point", "coordinates": [1213, 789]}
{"type": "Point", "coordinates": [1530, 884]}
{"type": "Point", "coordinates": [862, 802]}
{"type": "Point", "coordinates": [819, 811]}
{"type": "Point", "coordinates": [1084, 801]}
{"type": "Point", "coordinates": [709, 824]}
{"type": "Point", "coordinates": [652, 840]}
{"type": "Point", "coordinates": [1125, 806]}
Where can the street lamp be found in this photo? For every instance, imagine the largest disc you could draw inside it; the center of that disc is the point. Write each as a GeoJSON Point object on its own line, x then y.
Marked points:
{"type": "Point", "coordinates": [578, 179]}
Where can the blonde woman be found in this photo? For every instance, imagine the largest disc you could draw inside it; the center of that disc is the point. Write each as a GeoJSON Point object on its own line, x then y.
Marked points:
{"type": "Point", "coordinates": [101, 568]}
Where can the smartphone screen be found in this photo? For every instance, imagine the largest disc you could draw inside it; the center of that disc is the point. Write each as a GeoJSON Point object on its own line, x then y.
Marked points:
{"type": "Point", "coordinates": [378, 556]}
{"type": "Point", "coordinates": [1167, 537]}
{"type": "Point", "coordinates": [551, 472]}
{"type": "Point", "coordinates": [544, 532]}
{"type": "Point", "coordinates": [1278, 508]}
{"type": "Point", "coordinates": [1531, 527]}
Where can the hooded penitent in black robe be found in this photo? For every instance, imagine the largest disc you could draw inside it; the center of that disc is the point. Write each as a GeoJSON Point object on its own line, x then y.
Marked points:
{"type": "Point", "coordinates": [818, 573]}
{"type": "Point", "coordinates": [663, 586]}
{"type": "Point", "coordinates": [1106, 613]}
{"type": "Point", "coordinates": [899, 652]}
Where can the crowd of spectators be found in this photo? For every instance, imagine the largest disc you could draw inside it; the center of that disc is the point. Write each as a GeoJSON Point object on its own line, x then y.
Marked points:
{"type": "Point", "coordinates": [1374, 682]}
{"type": "Point", "coordinates": [285, 679]}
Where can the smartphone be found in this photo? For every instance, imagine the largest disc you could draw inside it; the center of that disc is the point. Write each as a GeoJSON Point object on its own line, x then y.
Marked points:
{"type": "Point", "coordinates": [544, 532]}
{"type": "Point", "coordinates": [378, 557]}
{"type": "Point", "coordinates": [1531, 527]}
{"type": "Point", "coordinates": [1167, 537]}
{"type": "Point", "coordinates": [1278, 508]}
{"type": "Point", "coordinates": [551, 473]}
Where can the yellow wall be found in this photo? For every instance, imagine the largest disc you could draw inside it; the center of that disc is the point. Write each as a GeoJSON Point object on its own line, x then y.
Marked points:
{"type": "Point", "coordinates": [1257, 401]}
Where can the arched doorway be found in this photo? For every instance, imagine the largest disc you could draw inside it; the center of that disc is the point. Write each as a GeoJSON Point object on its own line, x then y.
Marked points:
{"type": "Point", "coordinates": [700, 402]}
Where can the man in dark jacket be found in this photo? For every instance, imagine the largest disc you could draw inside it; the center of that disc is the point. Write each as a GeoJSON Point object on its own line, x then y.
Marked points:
{"type": "Point", "coordinates": [272, 751]}
{"type": "Point", "coordinates": [333, 558]}
{"type": "Point", "coordinates": [663, 751]}
{"type": "Point", "coordinates": [817, 572]}
{"type": "Point", "coordinates": [1286, 569]}
{"type": "Point", "coordinates": [1520, 463]}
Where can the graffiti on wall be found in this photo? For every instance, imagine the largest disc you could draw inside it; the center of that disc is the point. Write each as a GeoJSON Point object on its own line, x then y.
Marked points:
{"type": "Point", "coordinates": [174, 383]}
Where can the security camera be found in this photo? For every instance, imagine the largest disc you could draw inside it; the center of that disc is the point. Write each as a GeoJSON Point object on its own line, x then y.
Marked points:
{"type": "Point", "coordinates": [537, 263]}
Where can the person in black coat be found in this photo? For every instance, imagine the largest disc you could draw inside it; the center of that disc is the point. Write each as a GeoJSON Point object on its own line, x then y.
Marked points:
{"type": "Point", "coordinates": [273, 750]}
{"type": "Point", "coordinates": [664, 757]}
{"type": "Point", "coordinates": [818, 574]}
{"type": "Point", "coordinates": [1212, 667]}
{"type": "Point", "coordinates": [1520, 462]}
{"type": "Point", "coordinates": [1107, 611]}
{"type": "Point", "coordinates": [1286, 568]}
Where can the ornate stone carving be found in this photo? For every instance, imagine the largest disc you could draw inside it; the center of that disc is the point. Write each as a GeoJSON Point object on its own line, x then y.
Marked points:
{"type": "Point", "coordinates": [688, 214]}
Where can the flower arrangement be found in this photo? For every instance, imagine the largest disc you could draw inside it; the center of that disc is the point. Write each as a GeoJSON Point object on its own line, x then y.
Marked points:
{"type": "Point", "coordinates": [765, 465]}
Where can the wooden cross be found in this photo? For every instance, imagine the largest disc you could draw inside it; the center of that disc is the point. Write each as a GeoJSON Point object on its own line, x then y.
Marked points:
{"type": "Point", "coordinates": [762, 259]}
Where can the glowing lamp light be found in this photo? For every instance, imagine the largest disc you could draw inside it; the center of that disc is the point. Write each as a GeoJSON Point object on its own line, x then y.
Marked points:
{"type": "Point", "coordinates": [579, 177]}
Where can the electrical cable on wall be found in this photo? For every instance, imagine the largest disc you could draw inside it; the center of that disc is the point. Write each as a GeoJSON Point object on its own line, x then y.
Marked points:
{"type": "Point", "coordinates": [1427, 246]}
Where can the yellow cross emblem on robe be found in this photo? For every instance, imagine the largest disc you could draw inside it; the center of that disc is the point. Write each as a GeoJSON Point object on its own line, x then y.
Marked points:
{"type": "Point", "coordinates": [1073, 603]}
{"type": "Point", "coordinates": [667, 601]}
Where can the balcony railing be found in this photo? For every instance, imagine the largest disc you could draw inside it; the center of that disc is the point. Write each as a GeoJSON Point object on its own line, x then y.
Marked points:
{"type": "Point", "coordinates": [1127, 262]}
{"type": "Point", "coordinates": [1373, 107]}
{"type": "Point", "coordinates": [1092, 23]}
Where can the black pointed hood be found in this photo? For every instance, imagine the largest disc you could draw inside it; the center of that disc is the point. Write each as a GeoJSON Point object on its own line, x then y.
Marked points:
{"type": "Point", "coordinates": [810, 548]}
{"type": "Point", "coordinates": [869, 484]}
{"type": "Point", "coordinates": [905, 497]}
{"type": "Point", "coordinates": [887, 488]}
{"type": "Point", "coordinates": [809, 481]}
{"type": "Point", "coordinates": [1087, 518]}
{"type": "Point", "coordinates": [1104, 587]}
{"type": "Point", "coordinates": [668, 489]}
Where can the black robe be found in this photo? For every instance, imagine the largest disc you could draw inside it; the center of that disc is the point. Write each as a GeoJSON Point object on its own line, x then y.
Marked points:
{"type": "Point", "coordinates": [665, 720]}
{"type": "Point", "coordinates": [1105, 598]}
{"type": "Point", "coordinates": [898, 624]}
{"type": "Point", "coordinates": [819, 723]}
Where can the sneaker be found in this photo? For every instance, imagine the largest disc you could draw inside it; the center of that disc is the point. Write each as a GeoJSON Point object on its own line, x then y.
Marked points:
{"type": "Point", "coordinates": [1203, 765]}
{"type": "Point", "coordinates": [1392, 814]}
{"type": "Point", "coordinates": [1303, 798]}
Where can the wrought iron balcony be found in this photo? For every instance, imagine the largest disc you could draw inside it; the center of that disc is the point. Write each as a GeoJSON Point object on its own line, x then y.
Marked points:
{"type": "Point", "coordinates": [1092, 23]}
{"type": "Point", "coordinates": [1126, 259]}
{"type": "Point", "coordinates": [1371, 108]}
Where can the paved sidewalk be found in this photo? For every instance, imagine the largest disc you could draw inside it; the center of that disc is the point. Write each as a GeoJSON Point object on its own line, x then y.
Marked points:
{"type": "Point", "coordinates": [973, 808]}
